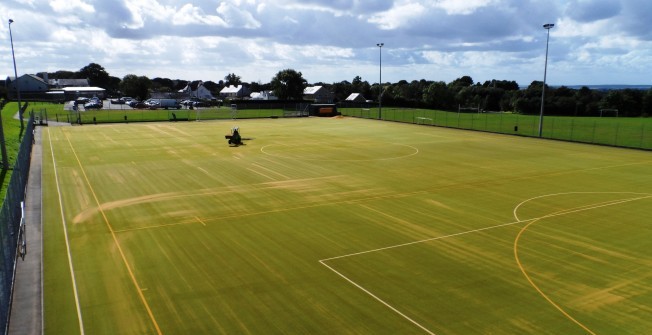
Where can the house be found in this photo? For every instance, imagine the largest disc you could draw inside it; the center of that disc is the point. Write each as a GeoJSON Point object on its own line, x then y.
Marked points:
{"type": "Point", "coordinates": [355, 97]}
{"type": "Point", "coordinates": [262, 95]}
{"type": "Point", "coordinates": [73, 92]}
{"type": "Point", "coordinates": [318, 94]}
{"type": "Point", "coordinates": [61, 83]}
{"type": "Point", "coordinates": [233, 91]}
{"type": "Point", "coordinates": [196, 89]}
{"type": "Point", "coordinates": [28, 84]}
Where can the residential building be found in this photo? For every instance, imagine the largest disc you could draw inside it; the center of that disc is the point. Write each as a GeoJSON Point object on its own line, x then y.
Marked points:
{"type": "Point", "coordinates": [28, 84]}
{"type": "Point", "coordinates": [355, 97]}
{"type": "Point", "coordinates": [61, 83]}
{"type": "Point", "coordinates": [263, 95]}
{"type": "Point", "coordinates": [318, 94]}
{"type": "Point", "coordinates": [233, 91]}
{"type": "Point", "coordinates": [196, 89]}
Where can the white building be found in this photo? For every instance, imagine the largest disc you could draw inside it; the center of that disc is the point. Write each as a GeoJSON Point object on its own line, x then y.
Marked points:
{"type": "Point", "coordinates": [318, 94]}
{"type": "Point", "coordinates": [263, 95]}
{"type": "Point", "coordinates": [233, 91]}
{"type": "Point", "coordinates": [196, 89]}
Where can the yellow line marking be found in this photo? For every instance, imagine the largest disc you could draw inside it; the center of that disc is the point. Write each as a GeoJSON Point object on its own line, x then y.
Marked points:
{"type": "Point", "coordinates": [532, 221]}
{"type": "Point", "coordinates": [115, 240]}
{"type": "Point", "coordinates": [200, 221]}
{"type": "Point", "coordinates": [65, 234]}
{"type": "Point", "coordinates": [578, 209]}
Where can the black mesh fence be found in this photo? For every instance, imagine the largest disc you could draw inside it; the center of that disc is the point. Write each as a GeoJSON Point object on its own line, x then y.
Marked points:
{"type": "Point", "coordinates": [10, 218]}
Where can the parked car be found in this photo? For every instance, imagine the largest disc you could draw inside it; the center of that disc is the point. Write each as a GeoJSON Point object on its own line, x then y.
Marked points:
{"type": "Point", "coordinates": [139, 104]}
{"type": "Point", "coordinates": [132, 103]}
{"type": "Point", "coordinates": [152, 102]}
{"type": "Point", "coordinates": [93, 105]}
{"type": "Point", "coordinates": [121, 101]}
{"type": "Point", "coordinates": [187, 102]}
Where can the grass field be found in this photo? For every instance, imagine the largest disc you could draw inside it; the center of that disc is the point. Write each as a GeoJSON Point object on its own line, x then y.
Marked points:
{"type": "Point", "coordinates": [612, 131]}
{"type": "Point", "coordinates": [341, 226]}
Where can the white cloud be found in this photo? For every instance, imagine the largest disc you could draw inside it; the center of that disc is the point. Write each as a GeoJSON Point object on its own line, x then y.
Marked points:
{"type": "Point", "coordinates": [462, 7]}
{"type": "Point", "coordinates": [237, 17]}
{"type": "Point", "coordinates": [189, 14]}
{"type": "Point", "coordinates": [334, 40]}
{"type": "Point", "coordinates": [398, 16]}
{"type": "Point", "coordinates": [71, 6]}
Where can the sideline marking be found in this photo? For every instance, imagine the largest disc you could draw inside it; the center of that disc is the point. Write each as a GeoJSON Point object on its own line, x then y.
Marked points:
{"type": "Point", "coordinates": [377, 298]}
{"type": "Point", "coordinates": [65, 234]}
{"type": "Point", "coordinates": [115, 240]}
{"type": "Point", "coordinates": [563, 212]}
{"type": "Point", "coordinates": [532, 221]}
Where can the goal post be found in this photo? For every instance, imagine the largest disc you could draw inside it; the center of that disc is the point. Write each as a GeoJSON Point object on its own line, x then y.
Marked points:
{"type": "Point", "coordinates": [234, 111]}
{"type": "Point", "coordinates": [609, 112]}
{"type": "Point", "coordinates": [468, 108]}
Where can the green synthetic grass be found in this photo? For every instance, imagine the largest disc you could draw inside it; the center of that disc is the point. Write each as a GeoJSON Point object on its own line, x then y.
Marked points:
{"type": "Point", "coordinates": [341, 226]}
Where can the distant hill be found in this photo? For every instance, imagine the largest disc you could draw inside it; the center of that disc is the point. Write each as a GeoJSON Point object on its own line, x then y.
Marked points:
{"type": "Point", "coordinates": [608, 87]}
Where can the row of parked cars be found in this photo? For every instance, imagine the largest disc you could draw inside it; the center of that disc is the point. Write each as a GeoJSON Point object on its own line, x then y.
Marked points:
{"type": "Point", "coordinates": [148, 104]}
{"type": "Point", "coordinates": [88, 103]}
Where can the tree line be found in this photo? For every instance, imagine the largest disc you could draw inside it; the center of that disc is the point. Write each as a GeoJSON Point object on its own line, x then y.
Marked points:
{"type": "Point", "coordinates": [461, 93]}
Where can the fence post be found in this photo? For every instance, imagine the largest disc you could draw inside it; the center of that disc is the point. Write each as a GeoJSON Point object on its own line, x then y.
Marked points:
{"type": "Point", "coordinates": [642, 136]}
{"type": "Point", "coordinates": [616, 135]}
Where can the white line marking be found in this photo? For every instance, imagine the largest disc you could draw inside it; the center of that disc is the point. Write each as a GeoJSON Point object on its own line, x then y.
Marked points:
{"type": "Point", "coordinates": [378, 299]}
{"type": "Point", "coordinates": [644, 195]}
{"type": "Point", "coordinates": [270, 170]}
{"type": "Point", "coordinates": [579, 209]}
{"type": "Point", "coordinates": [65, 233]}
{"type": "Point", "coordinates": [262, 174]}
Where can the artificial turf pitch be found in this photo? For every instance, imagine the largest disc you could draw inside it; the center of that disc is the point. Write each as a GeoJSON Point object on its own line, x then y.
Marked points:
{"type": "Point", "coordinates": [341, 226]}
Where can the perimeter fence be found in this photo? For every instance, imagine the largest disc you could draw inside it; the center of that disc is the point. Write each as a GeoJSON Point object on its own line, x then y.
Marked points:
{"type": "Point", "coordinates": [11, 217]}
{"type": "Point", "coordinates": [612, 131]}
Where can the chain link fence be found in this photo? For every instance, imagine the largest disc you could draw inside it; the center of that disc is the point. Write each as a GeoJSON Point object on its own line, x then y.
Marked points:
{"type": "Point", "coordinates": [612, 131]}
{"type": "Point", "coordinates": [10, 218]}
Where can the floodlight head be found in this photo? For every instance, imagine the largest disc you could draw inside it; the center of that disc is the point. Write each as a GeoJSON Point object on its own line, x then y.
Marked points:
{"type": "Point", "coordinates": [11, 21]}
{"type": "Point", "coordinates": [548, 25]}
{"type": "Point", "coordinates": [380, 44]}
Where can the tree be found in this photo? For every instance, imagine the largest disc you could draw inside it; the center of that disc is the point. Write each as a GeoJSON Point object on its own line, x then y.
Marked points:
{"type": "Point", "coordinates": [464, 81]}
{"type": "Point", "coordinates": [647, 104]}
{"type": "Point", "coordinates": [232, 79]}
{"type": "Point", "coordinates": [95, 74]}
{"type": "Point", "coordinates": [135, 86]}
{"type": "Point", "coordinates": [62, 74]}
{"type": "Point", "coordinates": [162, 85]}
{"type": "Point", "coordinates": [439, 96]}
{"type": "Point", "coordinates": [213, 87]}
{"type": "Point", "coordinates": [288, 85]}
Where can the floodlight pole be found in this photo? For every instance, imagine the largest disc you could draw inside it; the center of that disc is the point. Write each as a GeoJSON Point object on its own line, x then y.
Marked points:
{"type": "Point", "coordinates": [546, 26]}
{"type": "Point", "coordinates": [380, 80]}
{"type": "Point", "coordinates": [3, 146]}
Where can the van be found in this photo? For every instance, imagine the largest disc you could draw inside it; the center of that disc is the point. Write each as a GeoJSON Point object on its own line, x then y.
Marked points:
{"type": "Point", "coordinates": [168, 103]}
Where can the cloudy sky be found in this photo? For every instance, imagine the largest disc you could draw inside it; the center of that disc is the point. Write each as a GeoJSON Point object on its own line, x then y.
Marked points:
{"type": "Point", "coordinates": [593, 41]}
